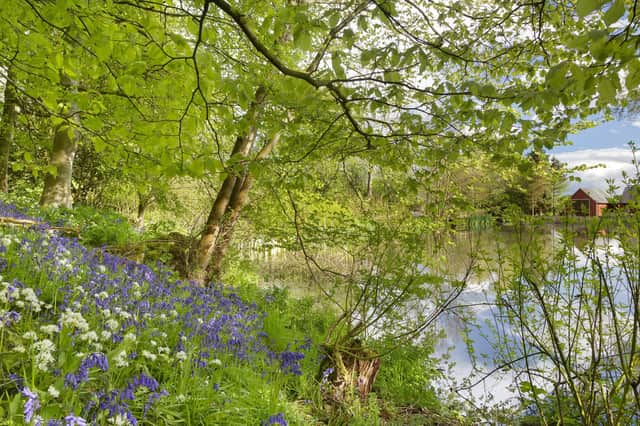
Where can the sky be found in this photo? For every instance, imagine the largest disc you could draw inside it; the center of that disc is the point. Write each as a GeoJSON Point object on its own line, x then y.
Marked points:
{"type": "Point", "coordinates": [605, 145]}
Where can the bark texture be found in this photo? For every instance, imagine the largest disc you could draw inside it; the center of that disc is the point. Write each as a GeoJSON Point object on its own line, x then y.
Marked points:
{"type": "Point", "coordinates": [241, 149]}
{"type": "Point", "coordinates": [144, 202]}
{"type": "Point", "coordinates": [7, 127]}
{"type": "Point", "coordinates": [239, 199]}
{"type": "Point", "coordinates": [57, 187]}
{"type": "Point", "coordinates": [354, 371]}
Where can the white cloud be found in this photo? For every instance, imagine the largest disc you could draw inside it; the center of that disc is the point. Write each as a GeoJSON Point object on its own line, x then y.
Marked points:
{"type": "Point", "coordinates": [612, 160]}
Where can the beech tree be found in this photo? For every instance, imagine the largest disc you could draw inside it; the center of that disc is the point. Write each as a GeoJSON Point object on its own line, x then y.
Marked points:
{"type": "Point", "coordinates": [7, 126]}
{"type": "Point", "coordinates": [234, 91]}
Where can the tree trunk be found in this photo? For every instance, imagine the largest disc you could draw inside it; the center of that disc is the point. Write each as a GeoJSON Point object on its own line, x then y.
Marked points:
{"type": "Point", "coordinates": [351, 372]}
{"type": "Point", "coordinates": [144, 201]}
{"type": "Point", "coordinates": [57, 187]}
{"type": "Point", "coordinates": [7, 127]}
{"type": "Point", "coordinates": [239, 199]}
{"type": "Point", "coordinates": [369, 182]}
{"type": "Point", "coordinates": [211, 231]}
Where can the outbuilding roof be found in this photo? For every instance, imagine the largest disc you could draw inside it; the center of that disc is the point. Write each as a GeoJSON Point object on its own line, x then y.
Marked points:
{"type": "Point", "coordinates": [597, 195]}
{"type": "Point", "coordinates": [630, 192]}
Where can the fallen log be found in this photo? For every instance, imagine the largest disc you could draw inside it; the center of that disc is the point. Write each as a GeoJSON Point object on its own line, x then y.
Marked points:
{"type": "Point", "coordinates": [32, 223]}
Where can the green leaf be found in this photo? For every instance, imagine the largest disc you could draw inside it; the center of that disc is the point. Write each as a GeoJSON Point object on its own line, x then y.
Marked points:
{"type": "Point", "coordinates": [578, 42]}
{"type": "Point", "coordinates": [348, 37]}
{"type": "Point", "coordinates": [93, 122]}
{"type": "Point", "coordinates": [51, 169]}
{"type": "Point", "coordinates": [600, 49]}
{"type": "Point", "coordinates": [392, 76]}
{"type": "Point", "coordinates": [585, 7]}
{"type": "Point", "coordinates": [633, 77]}
{"type": "Point", "coordinates": [302, 39]}
{"type": "Point", "coordinates": [14, 406]}
{"type": "Point", "coordinates": [556, 76]}
{"type": "Point", "coordinates": [367, 56]}
{"type": "Point", "coordinates": [128, 84]}
{"type": "Point", "coordinates": [58, 60]}
{"type": "Point", "coordinates": [334, 19]}
{"type": "Point", "coordinates": [488, 90]}
{"type": "Point", "coordinates": [179, 40]}
{"type": "Point", "coordinates": [614, 13]}
{"type": "Point", "coordinates": [424, 60]}
{"type": "Point", "coordinates": [103, 49]}
{"type": "Point", "coordinates": [606, 90]}
{"type": "Point", "coordinates": [394, 57]}
{"type": "Point", "coordinates": [363, 23]}
{"type": "Point", "coordinates": [337, 66]}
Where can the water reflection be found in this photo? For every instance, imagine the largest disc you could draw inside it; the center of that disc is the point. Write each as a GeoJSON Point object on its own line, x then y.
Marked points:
{"type": "Point", "coordinates": [478, 348]}
{"type": "Point", "coordinates": [477, 344]}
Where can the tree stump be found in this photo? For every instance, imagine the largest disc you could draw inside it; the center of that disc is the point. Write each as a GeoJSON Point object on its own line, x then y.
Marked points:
{"type": "Point", "coordinates": [353, 371]}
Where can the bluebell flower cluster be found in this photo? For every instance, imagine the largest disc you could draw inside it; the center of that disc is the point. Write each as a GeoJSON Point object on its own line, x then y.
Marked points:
{"type": "Point", "coordinates": [97, 360]}
{"type": "Point", "coordinates": [290, 362]}
{"type": "Point", "coordinates": [32, 405]}
{"type": "Point", "coordinates": [8, 318]}
{"type": "Point", "coordinates": [73, 420]}
{"type": "Point", "coordinates": [276, 419]}
{"type": "Point", "coordinates": [118, 312]}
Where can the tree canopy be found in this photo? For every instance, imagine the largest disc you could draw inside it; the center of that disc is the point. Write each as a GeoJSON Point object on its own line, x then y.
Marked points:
{"type": "Point", "coordinates": [347, 120]}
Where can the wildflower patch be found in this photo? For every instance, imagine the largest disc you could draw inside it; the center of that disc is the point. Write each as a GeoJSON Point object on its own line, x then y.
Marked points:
{"type": "Point", "coordinates": [92, 338]}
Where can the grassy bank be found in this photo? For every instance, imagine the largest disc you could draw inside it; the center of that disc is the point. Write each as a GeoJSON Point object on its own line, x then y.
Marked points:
{"type": "Point", "coordinates": [88, 337]}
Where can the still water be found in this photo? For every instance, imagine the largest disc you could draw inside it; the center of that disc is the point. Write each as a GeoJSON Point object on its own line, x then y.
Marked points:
{"type": "Point", "coordinates": [473, 329]}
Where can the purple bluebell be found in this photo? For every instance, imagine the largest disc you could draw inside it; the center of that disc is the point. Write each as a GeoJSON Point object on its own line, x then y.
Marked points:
{"type": "Point", "coordinates": [112, 402]}
{"type": "Point", "coordinates": [326, 373]}
{"type": "Point", "coordinates": [32, 405]}
{"type": "Point", "coordinates": [213, 322]}
{"type": "Point", "coordinates": [152, 399]}
{"type": "Point", "coordinates": [73, 420]}
{"type": "Point", "coordinates": [17, 380]}
{"type": "Point", "coordinates": [290, 362]}
{"type": "Point", "coordinates": [94, 360]}
{"type": "Point", "coordinates": [276, 419]}
{"type": "Point", "coordinates": [9, 318]}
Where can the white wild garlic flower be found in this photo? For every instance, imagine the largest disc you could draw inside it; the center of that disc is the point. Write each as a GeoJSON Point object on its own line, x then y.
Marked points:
{"type": "Point", "coordinates": [43, 356]}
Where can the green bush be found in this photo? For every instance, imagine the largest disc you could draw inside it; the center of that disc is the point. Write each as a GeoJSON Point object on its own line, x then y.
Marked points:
{"type": "Point", "coordinates": [97, 227]}
{"type": "Point", "coordinates": [406, 376]}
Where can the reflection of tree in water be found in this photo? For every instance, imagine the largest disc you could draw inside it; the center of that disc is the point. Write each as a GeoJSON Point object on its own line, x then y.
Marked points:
{"type": "Point", "coordinates": [482, 322]}
{"type": "Point", "coordinates": [574, 306]}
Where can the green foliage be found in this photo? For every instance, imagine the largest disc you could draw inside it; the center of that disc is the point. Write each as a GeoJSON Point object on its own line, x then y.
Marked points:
{"type": "Point", "coordinates": [95, 227]}
{"type": "Point", "coordinates": [407, 376]}
{"type": "Point", "coordinates": [99, 227]}
{"type": "Point", "coordinates": [568, 297]}
{"type": "Point", "coordinates": [372, 154]}
{"type": "Point", "coordinates": [240, 271]}
{"type": "Point", "coordinates": [230, 391]}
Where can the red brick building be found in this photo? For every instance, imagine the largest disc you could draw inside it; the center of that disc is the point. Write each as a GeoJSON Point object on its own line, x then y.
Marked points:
{"type": "Point", "coordinates": [589, 202]}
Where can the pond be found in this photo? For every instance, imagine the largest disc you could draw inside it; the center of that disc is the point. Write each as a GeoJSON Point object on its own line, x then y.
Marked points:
{"type": "Point", "coordinates": [478, 348]}
{"type": "Point", "coordinates": [479, 330]}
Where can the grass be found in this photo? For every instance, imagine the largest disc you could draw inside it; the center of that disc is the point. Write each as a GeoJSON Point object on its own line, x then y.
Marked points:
{"type": "Point", "coordinates": [96, 337]}
{"type": "Point", "coordinates": [88, 337]}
